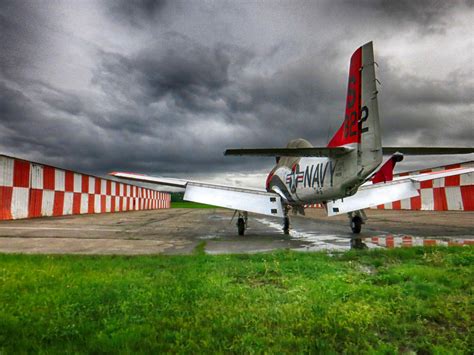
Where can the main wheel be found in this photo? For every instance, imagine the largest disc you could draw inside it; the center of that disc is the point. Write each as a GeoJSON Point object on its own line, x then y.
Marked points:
{"type": "Point", "coordinates": [241, 226]}
{"type": "Point", "coordinates": [356, 224]}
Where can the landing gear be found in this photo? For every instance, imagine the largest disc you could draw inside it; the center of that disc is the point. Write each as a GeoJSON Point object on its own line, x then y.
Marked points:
{"type": "Point", "coordinates": [286, 222]}
{"type": "Point", "coordinates": [357, 219]}
{"type": "Point", "coordinates": [356, 224]}
{"type": "Point", "coordinates": [242, 223]}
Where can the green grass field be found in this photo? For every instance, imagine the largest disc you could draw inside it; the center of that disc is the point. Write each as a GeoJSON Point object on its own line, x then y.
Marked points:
{"type": "Point", "coordinates": [185, 204]}
{"type": "Point", "coordinates": [384, 301]}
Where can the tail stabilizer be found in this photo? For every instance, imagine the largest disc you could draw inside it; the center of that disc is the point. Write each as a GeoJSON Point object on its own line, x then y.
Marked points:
{"type": "Point", "coordinates": [291, 152]}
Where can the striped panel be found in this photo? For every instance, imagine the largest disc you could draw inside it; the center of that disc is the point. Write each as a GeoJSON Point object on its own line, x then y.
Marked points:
{"type": "Point", "coordinates": [20, 202]}
{"type": "Point", "coordinates": [84, 208]}
{"type": "Point", "coordinates": [35, 203]}
{"type": "Point", "coordinates": [37, 176]}
{"type": "Point", "coordinates": [59, 180]}
{"type": "Point", "coordinates": [77, 183]}
{"type": "Point", "coordinates": [47, 203]}
{"type": "Point", "coordinates": [454, 198]}
{"type": "Point", "coordinates": [6, 171]}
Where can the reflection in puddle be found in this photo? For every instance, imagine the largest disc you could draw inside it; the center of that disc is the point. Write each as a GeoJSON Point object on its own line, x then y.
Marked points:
{"type": "Point", "coordinates": [313, 241]}
{"type": "Point", "coordinates": [395, 241]}
{"type": "Point", "coordinates": [210, 237]}
{"type": "Point", "coordinates": [357, 243]}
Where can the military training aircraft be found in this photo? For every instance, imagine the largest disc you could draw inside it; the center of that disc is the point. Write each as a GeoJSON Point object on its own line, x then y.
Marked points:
{"type": "Point", "coordinates": [346, 176]}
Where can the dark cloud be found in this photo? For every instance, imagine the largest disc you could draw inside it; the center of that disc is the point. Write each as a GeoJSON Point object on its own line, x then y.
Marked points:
{"type": "Point", "coordinates": [62, 101]}
{"type": "Point", "coordinates": [427, 16]}
{"type": "Point", "coordinates": [432, 111]}
{"type": "Point", "coordinates": [165, 88]}
{"type": "Point", "coordinates": [19, 36]}
{"type": "Point", "coordinates": [190, 72]}
{"type": "Point", "coordinates": [136, 13]}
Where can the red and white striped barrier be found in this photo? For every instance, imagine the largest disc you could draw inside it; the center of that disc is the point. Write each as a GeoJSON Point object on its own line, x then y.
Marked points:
{"type": "Point", "coordinates": [314, 205]}
{"type": "Point", "coordinates": [453, 193]}
{"type": "Point", "coordinates": [29, 190]}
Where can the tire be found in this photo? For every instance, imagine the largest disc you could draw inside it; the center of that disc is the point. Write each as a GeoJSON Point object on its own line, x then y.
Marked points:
{"type": "Point", "coordinates": [241, 226]}
{"type": "Point", "coordinates": [356, 224]}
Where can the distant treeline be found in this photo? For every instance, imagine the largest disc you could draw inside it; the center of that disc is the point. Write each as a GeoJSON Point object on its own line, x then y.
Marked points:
{"type": "Point", "coordinates": [177, 196]}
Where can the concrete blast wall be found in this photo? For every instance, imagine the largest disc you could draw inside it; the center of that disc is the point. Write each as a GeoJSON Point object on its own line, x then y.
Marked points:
{"type": "Point", "coordinates": [30, 189]}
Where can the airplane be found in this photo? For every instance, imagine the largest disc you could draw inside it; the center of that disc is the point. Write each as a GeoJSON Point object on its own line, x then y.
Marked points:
{"type": "Point", "coordinates": [346, 176]}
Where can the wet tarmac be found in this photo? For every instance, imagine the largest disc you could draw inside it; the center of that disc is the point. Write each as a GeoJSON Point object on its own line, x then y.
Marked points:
{"type": "Point", "coordinates": [179, 231]}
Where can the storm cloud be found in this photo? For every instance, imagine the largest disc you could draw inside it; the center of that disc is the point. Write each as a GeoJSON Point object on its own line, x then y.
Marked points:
{"type": "Point", "coordinates": [164, 87]}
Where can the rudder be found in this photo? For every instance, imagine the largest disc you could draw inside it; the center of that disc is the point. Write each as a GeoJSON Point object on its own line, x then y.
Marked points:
{"type": "Point", "coordinates": [370, 141]}
{"type": "Point", "coordinates": [361, 120]}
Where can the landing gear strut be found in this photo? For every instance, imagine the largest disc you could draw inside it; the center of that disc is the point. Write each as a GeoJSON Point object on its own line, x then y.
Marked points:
{"type": "Point", "coordinates": [242, 222]}
{"type": "Point", "coordinates": [357, 219]}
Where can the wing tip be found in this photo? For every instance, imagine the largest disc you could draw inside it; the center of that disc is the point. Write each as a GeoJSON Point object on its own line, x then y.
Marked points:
{"type": "Point", "coordinates": [124, 173]}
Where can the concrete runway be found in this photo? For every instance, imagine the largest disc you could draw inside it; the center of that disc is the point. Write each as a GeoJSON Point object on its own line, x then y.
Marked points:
{"type": "Point", "coordinates": [179, 231]}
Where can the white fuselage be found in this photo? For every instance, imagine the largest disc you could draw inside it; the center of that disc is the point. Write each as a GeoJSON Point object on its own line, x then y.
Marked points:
{"type": "Point", "coordinates": [314, 180]}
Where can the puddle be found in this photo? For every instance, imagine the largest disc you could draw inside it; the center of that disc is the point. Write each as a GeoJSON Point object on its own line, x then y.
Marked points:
{"type": "Point", "coordinates": [314, 241]}
{"type": "Point", "coordinates": [216, 217]}
{"type": "Point", "coordinates": [209, 237]}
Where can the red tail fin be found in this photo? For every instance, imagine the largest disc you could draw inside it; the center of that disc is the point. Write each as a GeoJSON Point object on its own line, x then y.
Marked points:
{"type": "Point", "coordinates": [349, 132]}
{"type": "Point", "coordinates": [385, 173]}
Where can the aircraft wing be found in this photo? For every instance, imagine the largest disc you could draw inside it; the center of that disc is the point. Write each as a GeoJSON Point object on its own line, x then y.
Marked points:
{"type": "Point", "coordinates": [151, 179]}
{"type": "Point", "coordinates": [371, 195]}
{"type": "Point", "coordinates": [291, 152]}
{"type": "Point", "coordinates": [234, 198]}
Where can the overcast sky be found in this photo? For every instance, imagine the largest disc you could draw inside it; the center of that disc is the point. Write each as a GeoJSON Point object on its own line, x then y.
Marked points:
{"type": "Point", "coordinates": [164, 87]}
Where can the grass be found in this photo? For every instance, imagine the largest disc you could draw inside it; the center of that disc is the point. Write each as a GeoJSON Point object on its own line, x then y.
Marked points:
{"type": "Point", "coordinates": [383, 301]}
{"type": "Point", "coordinates": [185, 204]}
